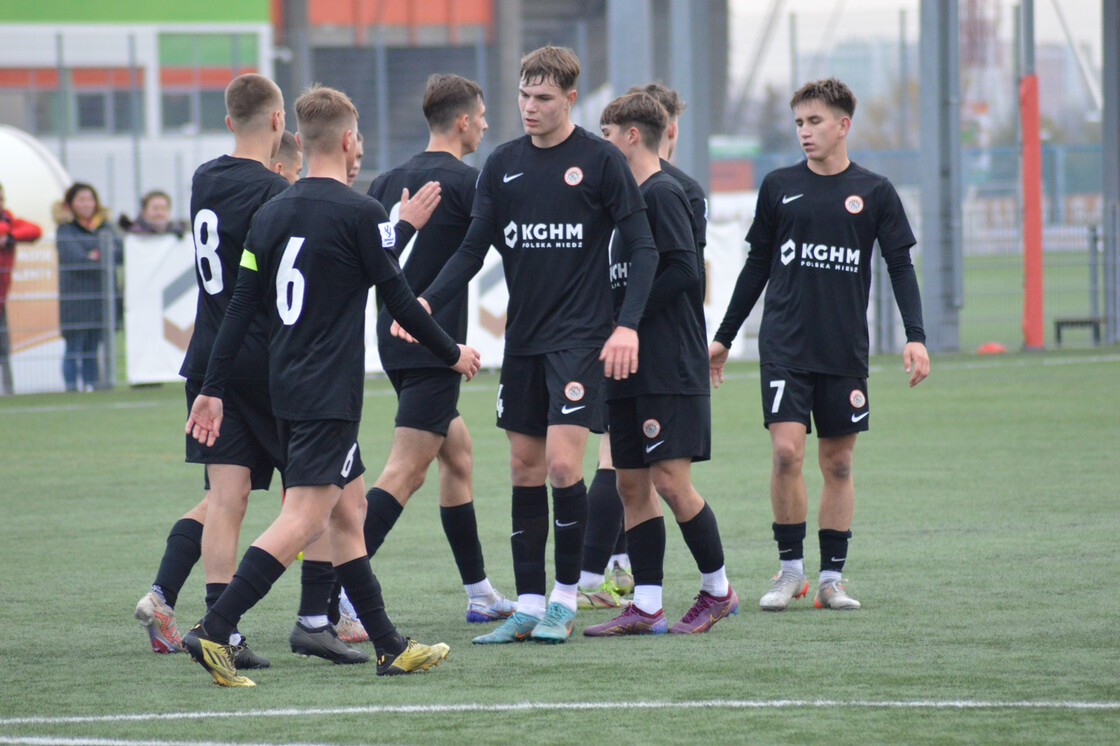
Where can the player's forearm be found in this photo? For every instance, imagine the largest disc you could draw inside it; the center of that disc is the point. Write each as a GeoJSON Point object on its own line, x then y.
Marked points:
{"type": "Point", "coordinates": [462, 266]}
{"type": "Point", "coordinates": [634, 231]}
{"type": "Point", "coordinates": [401, 304]}
{"type": "Point", "coordinates": [904, 282]}
{"type": "Point", "coordinates": [748, 289]}
{"type": "Point", "coordinates": [404, 231]}
{"type": "Point", "coordinates": [678, 277]}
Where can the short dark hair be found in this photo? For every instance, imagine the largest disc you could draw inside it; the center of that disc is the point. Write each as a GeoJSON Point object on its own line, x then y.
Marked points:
{"type": "Point", "coordinates": [831, 92]}
{"type": "Point", "coordinates": [448, 97]}
{"type": "Point", "coordinates": [559, 65]}
{"type": "Point", "coordinates": [639, 110]}
{"type": "Point", "coordinates": [665, 96]}
{"type": "Point", "coordinates": [77, 186]}
{"type": "Point", "coordinates": [249, 96]}
{"type": "Point", "coordinates": [322, 113]}
{"type": "Point", "coordinates": [153, 194]}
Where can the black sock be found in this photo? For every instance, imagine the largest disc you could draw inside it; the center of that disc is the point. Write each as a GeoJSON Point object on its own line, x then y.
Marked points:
{"type": "Point", "coordinates": [604, 521]}
{"type": "Point", "coordinates": [529, 511]}
{"type": "Point", "coordinates": [647, 551]}
{"type": "Point", "coordinates": [791, 540]}
{"type": "Point", "coordinates": [254, 577]}
{"type": "Point", "coordinates": [334, 615]}
{"type": "Point", "coordinates": [184, 547]}
{"type": "Point", "coordinates": [364, 592]}
{"type": "Point", "coordinates": [382, 512]}
{"type": "Point", "coordinates": [316, 582]}
{"type": "Point", "coordinates": [213, 592]}
{"type": "Point", "coordinates": [620, 542]}
{"type": "Point", "coordinates": [569, 508]}
{"type": "Point", "coordinates": [834, 548]}
{"type": "Point", "coordinates": [701, 534]}
{"type": "Point", "coordinates": [461, 528]}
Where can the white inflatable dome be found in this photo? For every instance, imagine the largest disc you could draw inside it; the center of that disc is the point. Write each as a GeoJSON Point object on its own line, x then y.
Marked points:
{"type": "Point", "coordinates": [33, 178]}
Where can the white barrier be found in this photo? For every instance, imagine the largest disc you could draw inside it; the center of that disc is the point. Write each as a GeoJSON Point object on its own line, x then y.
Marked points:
{"type": "Point", "coordinates": [161, 294]}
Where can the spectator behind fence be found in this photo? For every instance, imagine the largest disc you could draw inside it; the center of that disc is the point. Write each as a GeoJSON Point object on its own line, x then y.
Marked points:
{"type": "Point", "coordinates": [82, 231]}
{"type": "Point", "coordinates": [154, 218]}
{"type": "Point", "coordinates": [12, 229]}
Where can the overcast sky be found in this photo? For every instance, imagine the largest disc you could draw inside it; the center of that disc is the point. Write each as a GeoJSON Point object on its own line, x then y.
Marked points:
{"type": "Point", "coordinates": [821, 24]}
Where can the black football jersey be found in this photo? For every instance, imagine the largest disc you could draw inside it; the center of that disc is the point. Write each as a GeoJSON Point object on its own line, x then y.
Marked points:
{"type": "Point", "coordinates": [318, 248]}
{"type": "Point", "coordinates": [429, 249]}
{"type": "Point", "coordinates": [554, 210]}
{"type": "Point", "coordinates": [225, 194]}
{"type": "Point", "coordinates": [697, 202]}
{"type": "Point", "coordinates": [672, 347]}
{"type": "Point", "coordinates": [817, 234]}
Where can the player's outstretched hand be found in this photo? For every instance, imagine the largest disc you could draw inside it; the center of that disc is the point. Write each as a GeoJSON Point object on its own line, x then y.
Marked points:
{"type": "Point", "coordinates": [468, 362]}
{"type": "Point", "coordinates": [398, 331]}
{"type": "Point", "coordinates": [620, 353]}
{"type": "Point", "coordinates": [915, 359]}
{"type": "Point", "coordinates": [417, 209]}
{"type": "Point", "coordinates": [717, 358]}
{"type": "Point", "coordinates": [205, 421]}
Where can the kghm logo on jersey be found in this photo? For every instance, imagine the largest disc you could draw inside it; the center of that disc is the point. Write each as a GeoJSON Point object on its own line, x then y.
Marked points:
{"type": "Point", "coordinates": [854, 204]}
{"type": "Point", "coordinates": [651, 428]}
{"type": "Point", "coordinates": [573, 176]}
{"type": "Point", "coordinates": [857, 398]}
{"type": "Point", "coordinates": [821, 256]}
{"type": "Point", "coordinates": [574, 390]}
{"type": "Point", "coordinates": [544, 235]}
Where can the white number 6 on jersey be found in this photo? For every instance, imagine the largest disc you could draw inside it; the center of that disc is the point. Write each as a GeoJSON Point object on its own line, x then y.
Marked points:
{"type": "Point", "coordinates": [289, 281]}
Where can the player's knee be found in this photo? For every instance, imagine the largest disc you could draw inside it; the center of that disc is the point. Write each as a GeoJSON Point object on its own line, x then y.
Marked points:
{"type": "Point", "coordinates": [563, 472]}
{"type": "Point", "coordinates": [837, 468]}
{"type": "Point", "coordinates": [787, 458]}
{"type": "Point", "coordinates": [459, 466]}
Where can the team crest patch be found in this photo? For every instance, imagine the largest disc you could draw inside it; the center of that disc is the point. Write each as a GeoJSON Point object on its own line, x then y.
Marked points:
{"type": "Point", "coordinates": [574, 391]}
{"type": "Point", "coordinates": [854, 204]}
{"type": "Point", "coordinates": [651, 428]}
{"type": "Point", "coordinates": [857, 399]}
{"type": "Point", "coordinates": [573, 176]}
{"type": "Point", "coordinates": [388, 235]}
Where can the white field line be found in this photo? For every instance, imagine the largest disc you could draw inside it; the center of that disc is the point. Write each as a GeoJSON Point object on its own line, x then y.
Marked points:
{"type": "Point", "coordinates": [737, 704]}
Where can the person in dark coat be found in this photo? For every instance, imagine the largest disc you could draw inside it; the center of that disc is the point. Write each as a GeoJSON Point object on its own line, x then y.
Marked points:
{"type": "Point", "coordinates": [82, 282]}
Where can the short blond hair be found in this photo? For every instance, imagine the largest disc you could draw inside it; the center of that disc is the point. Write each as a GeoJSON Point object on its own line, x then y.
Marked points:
{"type": "Point", "coordinates": [250, 98]}
{"type": "Point", "coordinates": [322, 114]}
{"type": "Point", "coordinates": [558, 65]}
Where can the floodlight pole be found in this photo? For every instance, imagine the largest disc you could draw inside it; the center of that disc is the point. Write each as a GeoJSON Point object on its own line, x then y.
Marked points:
{"type": "Point", "coordinates": [1110, 147]}
{"type": "Point", "coordinates": [942, 284]}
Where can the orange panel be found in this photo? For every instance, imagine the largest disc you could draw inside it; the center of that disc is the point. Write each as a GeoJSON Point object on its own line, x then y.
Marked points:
{"type": "Point", "coordinates": [15, 77]}
{"type": "Point", "coordinates": [399, 12]}
{"type": "Point", "coordinates": [207, 77]}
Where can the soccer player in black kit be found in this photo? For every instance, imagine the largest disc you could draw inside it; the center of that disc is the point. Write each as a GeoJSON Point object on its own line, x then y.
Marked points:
{"type": "Point", "coordinates": [225, 193]}
{"type": "Point", "coordinates": [428, 425]}
{"type": "Point", "coordinates": [309, 258]}
{"type": "Point", "coordinates": [660, 418]}
{"type": "Point", "coordinates": [604, 544]}
{"type": "Point", "coordinates": [549, 201]}
{"type": "Point", "coordinates": [811, 239]}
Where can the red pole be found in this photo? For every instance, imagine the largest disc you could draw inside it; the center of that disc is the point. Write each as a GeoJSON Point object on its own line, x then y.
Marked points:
{"type": "Point", "coordinates": [1033, 325]}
